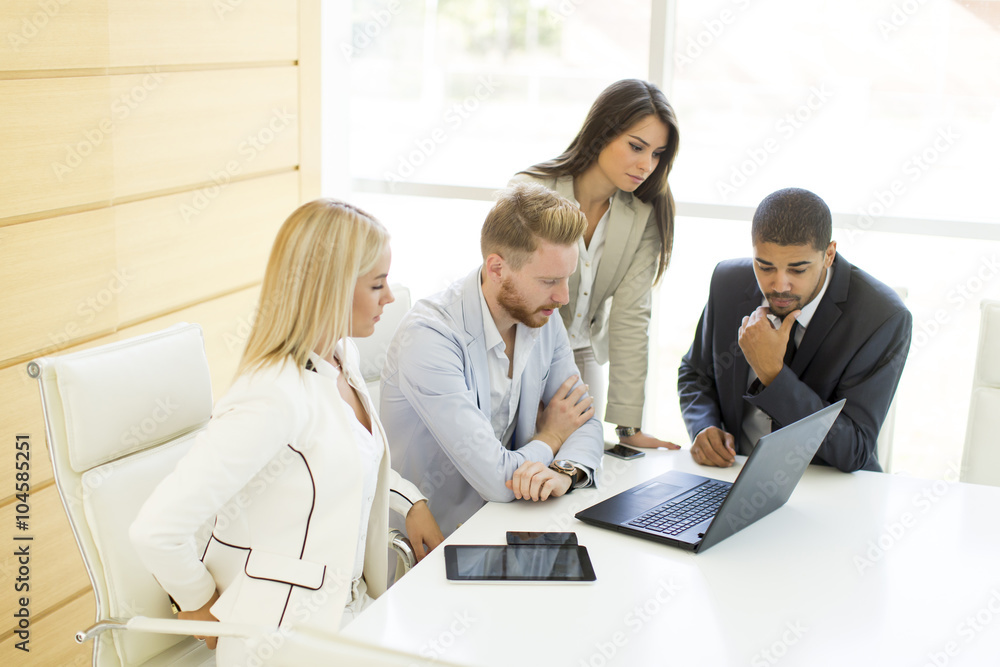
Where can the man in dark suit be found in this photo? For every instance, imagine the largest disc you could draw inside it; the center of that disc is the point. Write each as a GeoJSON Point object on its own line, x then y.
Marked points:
{"type": "Point", "coordinates": [787, 333]}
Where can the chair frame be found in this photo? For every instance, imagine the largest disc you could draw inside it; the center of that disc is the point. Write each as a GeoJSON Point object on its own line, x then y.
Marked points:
{"type": "Point", "coordinates": [985, 384]}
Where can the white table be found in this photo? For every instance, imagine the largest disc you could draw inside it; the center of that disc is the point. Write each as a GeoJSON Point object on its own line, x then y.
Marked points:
{"type": "Point", "coordinates": [860, 569]}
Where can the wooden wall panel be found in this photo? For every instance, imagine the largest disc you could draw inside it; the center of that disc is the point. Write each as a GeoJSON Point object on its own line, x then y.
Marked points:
{"type": "Point", "coordinates": [60, 34]}
{"type": "Point", "coordinates": [55, 147]}
{"type": "Point", "coordinates": [52, 640]}
{"type": "Point", "coordinates": [198, 31]}
{"type": "Point", "coordinates": [53, 34]}
{"type": "Point", "coordinates": [115, 113]}
{"type": "Point", "coordinates": [226, 322]}
{"type": "Point", "coordinates": [178, 249]}
{"type": "Point", "coordinates": [188, 128]}
{"type": "Point", "coordinates": [83, 141]}
{"type": "Point", "coordinates": [57, 569]}
{"type": "Point", "coordinates": [310, 100]}
{"type": "Point", "coordinates": [60, 281]}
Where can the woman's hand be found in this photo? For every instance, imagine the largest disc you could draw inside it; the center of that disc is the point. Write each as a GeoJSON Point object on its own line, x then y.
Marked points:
{"type": "Point", "coordinates": [422, 529]}
{"type": "Point", "coordinates": [641, 439]}
{"type": "Point", "coordinates": [203, 614]}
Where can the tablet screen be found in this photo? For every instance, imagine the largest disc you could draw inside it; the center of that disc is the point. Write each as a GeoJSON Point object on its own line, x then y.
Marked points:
{"type": "Point", "coordinates": [540, 563]}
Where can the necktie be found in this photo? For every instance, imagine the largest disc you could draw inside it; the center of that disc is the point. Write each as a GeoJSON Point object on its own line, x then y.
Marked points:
{"type": "Point", "coordinates": [790, 350]}
{"type": "Point", "coordinates": [789, 354]}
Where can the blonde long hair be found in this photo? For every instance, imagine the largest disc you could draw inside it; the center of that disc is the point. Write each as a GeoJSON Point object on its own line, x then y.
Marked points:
{"type": "Point", "coordinates": [308, 290]}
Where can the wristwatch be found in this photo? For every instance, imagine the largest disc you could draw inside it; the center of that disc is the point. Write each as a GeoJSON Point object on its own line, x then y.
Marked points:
{"type": "Point", "coordinates": [567, 468]}
{"type": "Point", "coordinates": [626, 431]}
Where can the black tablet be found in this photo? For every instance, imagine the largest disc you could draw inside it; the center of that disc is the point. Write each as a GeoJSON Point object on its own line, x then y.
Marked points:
{"type": "Point", "coordinates": [515, 537]}
{"type": "Point", "coordinates": [526, 563]}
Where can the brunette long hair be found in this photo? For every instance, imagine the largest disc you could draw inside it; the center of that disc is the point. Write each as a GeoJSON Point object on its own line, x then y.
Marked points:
{"type": "Point", "coordinates": [622, 105]}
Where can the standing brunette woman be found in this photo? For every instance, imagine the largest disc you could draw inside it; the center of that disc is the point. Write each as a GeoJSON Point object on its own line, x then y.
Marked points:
{"type": "Point", "coordinates": [616, 170]}
{"type": "Point", "coordinates": [293, 465]}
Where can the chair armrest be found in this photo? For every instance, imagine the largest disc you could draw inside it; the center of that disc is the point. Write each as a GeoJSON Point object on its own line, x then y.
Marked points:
{"type": "Point", "coordinates": [171, 626]}
{"type": "Point", "coordinates": [404, 550]}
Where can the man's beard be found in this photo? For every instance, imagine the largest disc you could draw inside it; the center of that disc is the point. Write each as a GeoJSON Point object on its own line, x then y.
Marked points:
{"type": "Point", "coordinates": [783, 295]}
{"type": "Point", "coordinates": [513, 303]}
{"type": "Point", "coordinates": [800, 302]}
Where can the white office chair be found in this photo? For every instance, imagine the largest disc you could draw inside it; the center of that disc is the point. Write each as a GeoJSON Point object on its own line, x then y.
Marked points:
{"type": "Point", "coordinates": [883, 444]}
{"type": "Point", "coordinates": [118, 418]}
{"type": "Point", "coordinates": [981, 457]}
{"type": "Point", "coordinates": [373, 348]}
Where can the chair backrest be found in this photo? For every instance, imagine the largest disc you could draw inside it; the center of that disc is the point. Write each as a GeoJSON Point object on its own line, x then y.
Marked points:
{"type": "Point", "coordinates": [981, 457]}
{"type": "Point", "coordinates": [373, 348]}
{"type": "Point", "coordinates": [118, 418]}
{"type": "Point", "coordinates": [885, 436]}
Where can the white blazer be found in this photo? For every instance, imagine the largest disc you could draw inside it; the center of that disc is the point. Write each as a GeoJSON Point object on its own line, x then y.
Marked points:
{"type": "Point", "coordinates": [279, 470]}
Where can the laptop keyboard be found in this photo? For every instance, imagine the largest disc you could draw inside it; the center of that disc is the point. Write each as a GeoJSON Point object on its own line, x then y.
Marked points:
{"type": "Point", "coordinates": [673, 518]}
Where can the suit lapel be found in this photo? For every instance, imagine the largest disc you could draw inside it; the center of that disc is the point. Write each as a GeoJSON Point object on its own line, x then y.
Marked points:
{"type": "Point", "coordinates": [618, 241]}
{"type": "Point", "coordinates": [752, 298]}
{"type": "Point", "coordinates": [472, 311]}
{"type": "Point", "coordinates": [624, 235]}
{"type": "Point", "coordinates": [827, 313]}
{"type": "Point", "coordinates": [564, 186]}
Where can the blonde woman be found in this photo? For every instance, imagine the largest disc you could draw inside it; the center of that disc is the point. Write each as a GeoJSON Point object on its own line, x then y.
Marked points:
{"type": "Point", "coordinates": [294, 464]}
{"type": "Point", "coordinates": [616, 170]}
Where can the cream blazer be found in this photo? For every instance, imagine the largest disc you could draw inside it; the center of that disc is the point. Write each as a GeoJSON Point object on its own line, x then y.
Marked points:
{"type": "Point", "coordinates": [621, 305]}
{"type": "Point", "coordinates": [278, 469]}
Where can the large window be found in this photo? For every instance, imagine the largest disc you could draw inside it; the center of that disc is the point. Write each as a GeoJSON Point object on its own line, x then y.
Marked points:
{"type": "Point", "coordinates": [889, 109]}
{"type": "Point", "coordinates": [468, 92]}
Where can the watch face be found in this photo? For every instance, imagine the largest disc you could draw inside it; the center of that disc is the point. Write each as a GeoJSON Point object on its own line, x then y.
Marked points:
{"type": "Point", "coordinates": [565, 466]}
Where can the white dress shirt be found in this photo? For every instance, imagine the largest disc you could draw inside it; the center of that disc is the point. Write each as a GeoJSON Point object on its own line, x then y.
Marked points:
{"type": "Point", "coordinates": [590, 259]}
{"type": "Point", "coordinates": [505, 392]}
{"type": "Point", "coordinates": [756, 423]}
{"type": "Point", "coordinates": [370, 450]}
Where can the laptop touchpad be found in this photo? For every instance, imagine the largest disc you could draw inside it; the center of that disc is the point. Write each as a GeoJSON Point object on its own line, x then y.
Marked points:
{"type": "Point", "coordinates": [658, 491]}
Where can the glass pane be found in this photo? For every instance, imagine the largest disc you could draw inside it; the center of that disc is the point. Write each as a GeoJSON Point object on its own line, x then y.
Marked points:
{"type": "Point", "coordinates": [884, 108]}
{"type": "Point", "coordinates": [434, 241]}
{"type": "Point", "coordinates": [469, 92]}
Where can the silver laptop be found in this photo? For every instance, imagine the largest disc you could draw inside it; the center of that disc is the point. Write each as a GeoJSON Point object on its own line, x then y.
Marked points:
{"type": "Point", "coordinates": [694, 512]}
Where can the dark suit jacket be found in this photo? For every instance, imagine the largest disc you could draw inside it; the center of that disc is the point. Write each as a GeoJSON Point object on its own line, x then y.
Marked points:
{"type": "Point", "coordinates": [854, 348]}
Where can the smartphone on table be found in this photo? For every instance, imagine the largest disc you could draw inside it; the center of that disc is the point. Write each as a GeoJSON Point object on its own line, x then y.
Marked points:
{"type": "Point", "coordinates": [621, 451]}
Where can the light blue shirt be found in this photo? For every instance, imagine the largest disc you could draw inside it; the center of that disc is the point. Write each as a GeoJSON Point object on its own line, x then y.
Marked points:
{"type": "Point", "coordinates": [436, 405]}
